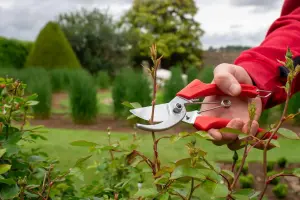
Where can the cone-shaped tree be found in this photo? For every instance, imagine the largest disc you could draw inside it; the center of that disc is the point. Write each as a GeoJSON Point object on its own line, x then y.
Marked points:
{"type": "Point", "coordinates": [52, 49]}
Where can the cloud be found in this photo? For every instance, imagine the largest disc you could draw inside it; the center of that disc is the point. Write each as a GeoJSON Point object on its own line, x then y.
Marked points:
{"type": "Point", "coordinates": [258, 5]}
{"type": "Point", "coordinates": [24, 19]}
{"type": "Point", "coordinates": [234, 38]}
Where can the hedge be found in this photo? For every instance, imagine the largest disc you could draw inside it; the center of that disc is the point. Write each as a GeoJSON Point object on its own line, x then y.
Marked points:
{"type": "Point", "coordinates": [52, 50]}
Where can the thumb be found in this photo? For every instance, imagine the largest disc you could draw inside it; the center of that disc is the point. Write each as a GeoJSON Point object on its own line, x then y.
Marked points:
{"type": "Point", "coordinates": [224, 77]}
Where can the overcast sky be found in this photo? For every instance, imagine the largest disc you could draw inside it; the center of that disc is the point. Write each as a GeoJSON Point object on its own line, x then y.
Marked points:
{"type": "Point", "coordinates": [225, 22]}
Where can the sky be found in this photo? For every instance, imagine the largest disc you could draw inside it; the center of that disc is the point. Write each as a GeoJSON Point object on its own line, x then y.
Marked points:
{"type": "Point", "coordinates": [225, 22]}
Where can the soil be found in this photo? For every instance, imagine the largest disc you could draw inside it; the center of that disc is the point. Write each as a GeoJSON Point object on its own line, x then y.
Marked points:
{"type": "Point", "coordinates": [103, 122]}
{"type": "Point", "coordinates": [293, 183]}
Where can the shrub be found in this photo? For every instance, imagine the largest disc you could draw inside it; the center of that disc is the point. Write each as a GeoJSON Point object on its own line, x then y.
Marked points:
{"type": "Point", "coordinates": [281, 162]}
{"type": "Point", "coordinates": [206, 74]}
{"type": "Point", "coordinates": [276, 180]}
{"type": "Point", "coordinates": [132, 86]}
{"type": "Point", "coordinates": [13, 53]}
{"type": "Point", "coordinates": [52, 50]}
{"type": "Point", "coordinates": [247, 181]}
{"type": "Point", "coordinates": [38, 81]}
{"type": "Point", "coordinates": [103, 80]}
{"type": "Point", "coordinates": [174, 84]}
{"type": "Point", "coordinates": [280, 190]}
{"type": "Point", "coordinates": [192, 74]}
{"type": "Point", "coordinates": [245, 167]}
{"type": "Point", "coordinates": [60, 79]}
{"type": "Point", "coordinates": [83, 97]}
{"type": "Point", "coordinates": [270, 165]}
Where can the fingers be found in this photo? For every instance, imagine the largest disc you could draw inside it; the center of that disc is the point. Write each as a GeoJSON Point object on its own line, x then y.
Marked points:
{"type": "Point", "coordinates": [228, 78]}
{"type": "Point", "coordinates": [227, 83]}
{"type": "Point", "coordinates": [224, 138]}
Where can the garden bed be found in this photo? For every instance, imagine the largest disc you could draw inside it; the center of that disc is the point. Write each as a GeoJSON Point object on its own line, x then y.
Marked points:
{"type": "Point", "coordinates": [255, 169]}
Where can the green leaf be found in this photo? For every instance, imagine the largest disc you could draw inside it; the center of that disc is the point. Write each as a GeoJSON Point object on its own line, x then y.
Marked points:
{"type": "Point", "coordinates": [209, 190]}
{"type": "Point", "coordinates": [275, 143]}
{"type": "Point", "coordinates": [246, 194]}
{"type": "Point", "coordinates": [288, 134]}
{"type": "Point", "coordinates": [9, 192]}
{"type": "Point", "coordinates": [150, 192]}
{"type": "Point", "coordinates": [174, 138]}
{"type": "Point", "coordinates": [131, 117]}
{"type": "Point", "coordinates": [7, 181]}
{"type": "Point", "coordinates": [131, 105]}
{"type": "Point", "coordinates": [4, 168]}
{"type": "Point", "coordinates": [83, 143]}
{"type": "Point", "coordinates": [232, 130]}
{"type": "Point", "coordinates": [227, 173]}
{"type": "Point", "coordinates": [82, 160]}
{"type": "Point", "coordinates": [2, 152]}
{"type": "Point", "coordinates": [165, 196]}
{"type": "Point", "coordinates": [32, 103]}
{"type": "Point", "coordinates": [32, 97]}
{"type": "Point", "coordinates": [296, 172]}
{"type": "Point", "coordinates": [204, 135]}
{"type": "Point", "coordinates": [184, 171]}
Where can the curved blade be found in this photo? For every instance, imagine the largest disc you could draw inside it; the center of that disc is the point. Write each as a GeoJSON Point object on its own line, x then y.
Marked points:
{"type": "Point", "coordinates": [168, 123]}
{"type": "Point", "coordinates": [161, 112]}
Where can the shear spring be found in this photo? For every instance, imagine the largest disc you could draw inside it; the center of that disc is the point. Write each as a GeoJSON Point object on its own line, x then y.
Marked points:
{"type": "Point", "coordinates": [267, 95]}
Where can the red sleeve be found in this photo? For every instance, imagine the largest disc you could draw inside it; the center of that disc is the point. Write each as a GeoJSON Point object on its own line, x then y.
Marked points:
{"type": "Point", "coordinates": [261, 62]}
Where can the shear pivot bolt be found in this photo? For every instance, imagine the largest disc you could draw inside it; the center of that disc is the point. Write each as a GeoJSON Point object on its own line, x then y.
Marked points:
{"type": "Point", "coordinates": [177, 108]}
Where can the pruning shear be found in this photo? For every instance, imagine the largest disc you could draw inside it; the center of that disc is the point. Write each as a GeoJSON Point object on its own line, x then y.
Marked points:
{"type": "Point", "coordinates": [169, 114]}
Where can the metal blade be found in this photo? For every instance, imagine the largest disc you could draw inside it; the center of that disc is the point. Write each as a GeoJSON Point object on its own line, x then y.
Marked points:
{"type": "Point", "coordinates": [161, 112]}
{"type": "Point", "coordinates": [190, 117]}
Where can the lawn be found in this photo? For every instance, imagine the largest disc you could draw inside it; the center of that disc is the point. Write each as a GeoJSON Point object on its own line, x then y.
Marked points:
{"type": "Point", "coordinates": [58, 146]}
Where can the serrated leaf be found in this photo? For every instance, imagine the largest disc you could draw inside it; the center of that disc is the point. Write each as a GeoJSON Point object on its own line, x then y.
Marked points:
{"type": "Point", "coordinates": [9, 192]}
{"type": "Point", "coordinates": [227, 173]}
{"type": "Point", "coordinates": [246, 193]}
{"type": "Point", "coordinates": [7, 181]}
{"type": "Point", "coordinates": [161, 181]}
{"type": "Point", "coordinates": [165, 196]}
{"type": "Point", "coordinates": [232, 130]}
{"type": "Point", "coordinates": [83, 143]}
{"type": "Point", "coordinates": [4, 168]}
{"type": "Point", "coordinates": [2, 152]}
{"type": "Point", "coordinates": [288, 134]}
{"type": "Point", "coordinates": [174, 138]}
{"type": "Point", "coordinates": [164, 170]}
{"type": "Point", "coordinates": [184, 171]}
{"type": "Point", "coordinates": [209, 190]}
{"type": "Point", "coordinates": [147, 192]}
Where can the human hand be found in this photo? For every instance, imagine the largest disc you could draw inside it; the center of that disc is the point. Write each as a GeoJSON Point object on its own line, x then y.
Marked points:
{"type": "Point", "coordinates": [228, 78]}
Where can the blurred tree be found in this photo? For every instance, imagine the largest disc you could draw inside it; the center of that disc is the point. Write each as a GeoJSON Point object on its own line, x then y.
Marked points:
{"type": "Point", "coordinates": [168, 23]}
{"type": "Point", "coordinates": [52, 50]}
{"type": "Point", "coordinates": [95, 39]}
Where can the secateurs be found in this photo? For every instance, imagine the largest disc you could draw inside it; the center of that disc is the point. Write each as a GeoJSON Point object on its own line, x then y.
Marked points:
{"type": "Point", "coordinates": [169, 114]}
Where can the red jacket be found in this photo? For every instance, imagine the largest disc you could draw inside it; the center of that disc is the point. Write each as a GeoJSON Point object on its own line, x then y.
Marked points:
{"type": "Point", "coordinates": [261, 62]}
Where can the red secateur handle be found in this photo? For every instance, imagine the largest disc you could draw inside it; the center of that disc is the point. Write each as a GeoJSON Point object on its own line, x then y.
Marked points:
{"type": "Point", "coordinates": [197, 89]}
{"type": "Point", "coordinates": [205, 123]}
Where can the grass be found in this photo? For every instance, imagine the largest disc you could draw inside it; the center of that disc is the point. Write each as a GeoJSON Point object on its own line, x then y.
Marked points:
{"type": "Point", "coordinates": [58, 146]}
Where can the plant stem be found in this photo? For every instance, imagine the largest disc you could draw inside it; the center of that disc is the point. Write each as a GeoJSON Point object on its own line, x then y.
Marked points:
{"type": "Point", "coordinates": [241, 167]}
{"type": "Point", "coordinates": [192, 189]}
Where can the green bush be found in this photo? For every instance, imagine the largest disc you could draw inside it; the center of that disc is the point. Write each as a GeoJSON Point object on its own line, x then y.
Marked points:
{"type": "Point", "coordinates": [38, 81]}
{"type": "Point", "coordinates": [247, 181]}
{"type": "Point", "coordinates": [280, 190]}
{"type": "Point", "coordinates": [131, 86]}
{"type": "Point", "coordinates": [52, 50]}
{"type": "Point", "coordinates": [60, 79]}
{"type": "Point", "coordinates": [276, 180]}
{"type": "Point", "coordinates": [13, 53]}
{"type": "Point", "coordinates": [281, 162]}
{"type": "Point", "coordinates": [206, 74]}
{"type": "Point", "coordinates": [83, 97]}
{"type": "Point", "coordinates": [174, 84]}
{"type": "Point", "coordinates": [103, 80]}
{"type": "Point", "coordinates": [245, 167]}
{"type": "Point", "coordinates": [192, 74]}
{"type": "Point", "coordinates": [270, 165]}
